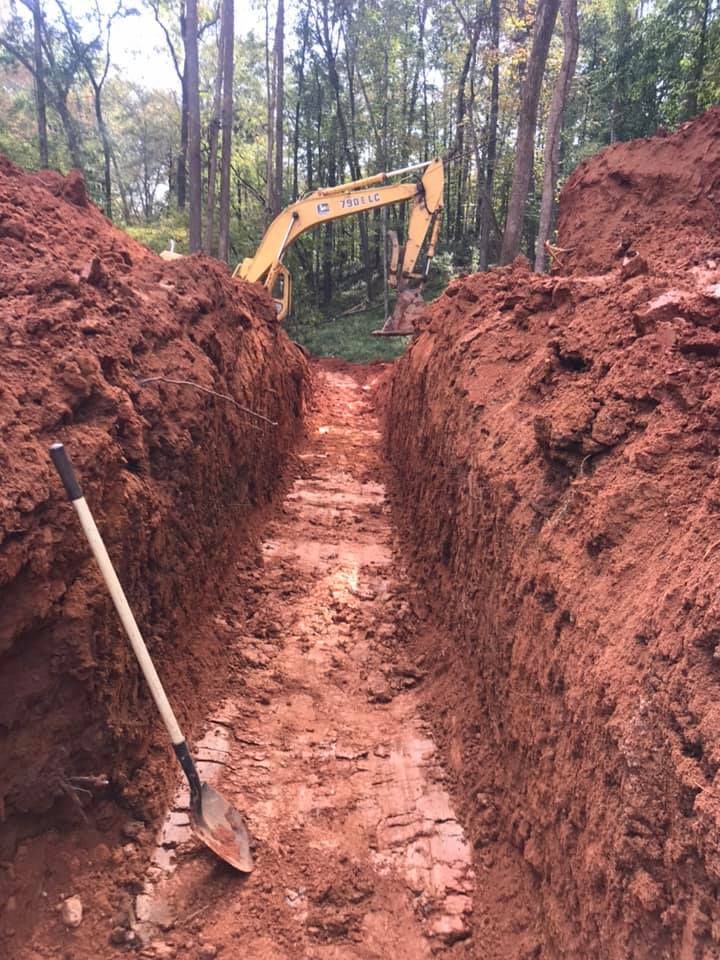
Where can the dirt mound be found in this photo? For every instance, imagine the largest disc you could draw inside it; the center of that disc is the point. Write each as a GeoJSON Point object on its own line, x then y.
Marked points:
{"type": "Point", "coordinates": [660, 196]}
{"type": "Point", "coordinates": [555, 443]}
{"type": "Point", "coordinates": [90, 322]}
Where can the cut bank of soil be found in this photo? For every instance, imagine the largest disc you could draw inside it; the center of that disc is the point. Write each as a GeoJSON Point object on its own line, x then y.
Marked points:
{"type": "Point", "coordinates": [173, 474]}
{"type": "Point", "coordinates": [317, 738]}
{"type": "Point", "coordinates": [555, 443]}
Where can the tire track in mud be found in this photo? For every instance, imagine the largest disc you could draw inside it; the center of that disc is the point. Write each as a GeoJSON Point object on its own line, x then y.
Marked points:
{"type": "Point", "coordinates": [358, 851]}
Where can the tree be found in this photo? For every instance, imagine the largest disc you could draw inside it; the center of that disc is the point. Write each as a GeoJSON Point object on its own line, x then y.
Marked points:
{"type": "Point", "coordinates": [95, 59]}
{"type": "Point", "coordinates": [227, 46]}
{"type": "Point", "coordinates": [193, 114]}
{"type": "Point", "coordinates": [698, 62]}
{"type": "Point", "coordinates": [39, 71]}
{"type": "Point", "coordinates": [299, 101]}
{"type": "Point", "coordinates": [213, 134]}
{"type": "Point", "coordinates": [145, 125]}
{"type": "Point", "coordinates": [486, 210]}
{"type": "Point", "coordinates": [174, 37]}
{"type": "Point", "coordinates": [59, 66]}
{"type": "Point", "coordinates": [370, 86]}
{"type": "Point", "coordinates": [571, 41]}
{"type": "Point", "coordinates": [463, 108]}
{"type": "Point", "coordinates": [275, 83]}
{"type": "Point", "coordinates": [546, 15]}
{"type": "Point", "coordinates": [181, 71]}
{"type": "Point", "coordinates": [279, 60]}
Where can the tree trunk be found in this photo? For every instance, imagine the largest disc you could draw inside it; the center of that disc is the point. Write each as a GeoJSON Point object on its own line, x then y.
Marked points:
{"type": "Point", "coordinates": [530, 97]}
{"type": "Point", "coordinates": [182, 156]}
{"type": "Point", "coordinates": [193, 90]}
{"type": "Point", "coordinates": [353, 154]}
{"type": "Point", "coordinates": [620, 44]}
{"type": "Point", "coordinates": [279, 59]}
{"type": "Point", "coordinates": [300, 93]}
{"type": "Point", "coordinates": [698, 66]}
{"type": "Point", "coordinates": [415, 88]}
{"type": "Point", "coordinates": [182, 164]}
{"type": "Point", "coordinates": [68, 125]}
{"type": "Point", "coordinates": [571, 41]}
{"type": "Point", "coordinates": [271, 203]}
{"type": "Point", "coordinates": [58, 91]}
{"type": "Point", "coordinates": [385, 159]}
{"type": "Point", "coordinates": [213, 132]}
{"type": "Point", "coordinates": [460, 110]}
{"type": "Point", "coordinates": [181, 172]}
{"type": "Point", "coordinates": [328, 233]}
{"type": "Point", "coordinates": [121, 188]}
{"type": "Point", "coordinates": [105, 140]}
{"type": "Point", "coordinates": [228, 47]}
{"type": "Point", "coordinates": [40, 85]}
{"type": "Point", "coordinates": [491, 154]}
{"type": "Point", "coordinates": [97, 79]}
{"type": "Point", "coordinates": [347, 132]}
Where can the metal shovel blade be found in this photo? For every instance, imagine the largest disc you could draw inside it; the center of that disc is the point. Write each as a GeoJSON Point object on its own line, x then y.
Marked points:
{"type": "Point", "coordinates": [221, 828]}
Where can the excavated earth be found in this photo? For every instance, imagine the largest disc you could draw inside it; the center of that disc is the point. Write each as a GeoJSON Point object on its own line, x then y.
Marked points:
{"type": "Point", "coordinates": [555, 446]}
{"type": "Point", "coordinates": [475, 716]}
{"type": "Point", "coordinates": [90, 324]}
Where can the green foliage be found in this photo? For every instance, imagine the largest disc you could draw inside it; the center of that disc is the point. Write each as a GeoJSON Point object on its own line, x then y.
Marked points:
{"type": "Point", "coordinates": [18, 136]}
{"type": "Point", "coordinates": [146, 128]}
{"type": "Point", "coordinates": [157, 234]}
{"type": "Point", "coordinates": [369, 85]}
{"type": "Point", "coordinates": [637, 70]}
{"type": "Point", "coordinates": [349, 337]}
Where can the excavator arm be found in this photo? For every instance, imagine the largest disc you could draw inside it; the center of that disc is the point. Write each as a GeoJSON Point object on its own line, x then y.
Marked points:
{"type": "Point", "coordinates": [346, 200]}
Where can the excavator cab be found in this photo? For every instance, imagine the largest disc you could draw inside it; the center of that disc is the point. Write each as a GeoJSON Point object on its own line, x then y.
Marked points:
{"type": "Point", "coordinates": [280, 288]}
{"type": "Point", "coordinates": [278, 283]}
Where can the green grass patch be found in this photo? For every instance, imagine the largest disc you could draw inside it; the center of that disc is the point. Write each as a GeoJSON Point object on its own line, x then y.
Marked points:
{"type": "Point", "coordinates": [157, 235]}
{"type": "Point", "coordinates": [348, 338]}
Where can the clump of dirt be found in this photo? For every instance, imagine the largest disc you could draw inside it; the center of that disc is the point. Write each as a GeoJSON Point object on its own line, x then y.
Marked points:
{"type": "Point", "coordinates": [555, 446]}
{"type": "Point", "coordinates": [90, 324]}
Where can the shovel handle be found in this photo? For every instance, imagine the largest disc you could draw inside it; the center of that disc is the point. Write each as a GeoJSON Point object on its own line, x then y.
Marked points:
{"type": "Point", "coordinates": [72, 488]}
{"type": "Point", "coordinates": [65, 469]}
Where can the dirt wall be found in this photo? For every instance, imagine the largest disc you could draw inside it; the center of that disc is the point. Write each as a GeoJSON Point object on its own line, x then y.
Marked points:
{"type": "Point", "coordinates": [555, 447]}
{"type": "Point", "coordinates": [172, 471]}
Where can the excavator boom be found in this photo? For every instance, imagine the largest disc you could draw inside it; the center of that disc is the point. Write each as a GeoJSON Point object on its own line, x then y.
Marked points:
{"type": "Point", "coordinates": [346, 200]}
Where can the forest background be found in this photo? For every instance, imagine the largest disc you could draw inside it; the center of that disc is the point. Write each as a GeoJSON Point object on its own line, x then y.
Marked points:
{"type": "Point", "coordinates": [198, 122]}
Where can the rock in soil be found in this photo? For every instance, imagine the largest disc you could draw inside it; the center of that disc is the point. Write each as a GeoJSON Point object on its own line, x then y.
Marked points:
{"type": "Point", "coordinates": [72, 912]}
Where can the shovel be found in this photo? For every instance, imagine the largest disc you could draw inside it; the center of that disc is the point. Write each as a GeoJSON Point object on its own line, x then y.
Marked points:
{"type": "Point", "coordinates": [213, 819]}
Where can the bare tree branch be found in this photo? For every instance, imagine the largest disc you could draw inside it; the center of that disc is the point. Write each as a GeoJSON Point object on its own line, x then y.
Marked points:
{"type": "Point", "coordinates": [214, 393]}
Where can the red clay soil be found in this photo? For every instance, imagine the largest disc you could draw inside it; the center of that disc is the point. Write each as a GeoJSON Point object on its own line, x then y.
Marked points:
{"type": "Point", "coordinates": [316, 736]}
{"type": "Point", "coordinates": [660, 195]}
{"type": "Point", "coordinates": [555, 446]}
{"type": "Point", "coordinates": [172, 472]}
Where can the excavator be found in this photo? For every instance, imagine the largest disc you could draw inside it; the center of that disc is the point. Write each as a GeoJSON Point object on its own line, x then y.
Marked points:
{"type": "Point", "coordinates": [345, 200]}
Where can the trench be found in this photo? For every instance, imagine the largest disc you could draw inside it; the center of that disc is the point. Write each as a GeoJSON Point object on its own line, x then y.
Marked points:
{"type": "Point", "coordinates": [319, 735]}
{"type": "Point", "coordinates": [511, 751]}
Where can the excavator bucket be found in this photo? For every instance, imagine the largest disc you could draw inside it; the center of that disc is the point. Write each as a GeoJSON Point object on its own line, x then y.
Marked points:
{"type": "Point", "coordinates": [402, 321]}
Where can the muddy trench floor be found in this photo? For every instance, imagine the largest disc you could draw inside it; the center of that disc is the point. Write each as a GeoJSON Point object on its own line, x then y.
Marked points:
{"type": "Point", "coordinates": [319, 739]}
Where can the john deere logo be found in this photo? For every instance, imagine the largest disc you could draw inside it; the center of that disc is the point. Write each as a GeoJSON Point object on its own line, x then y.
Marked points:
{"type": "Point", "coordinates": [323, 208]}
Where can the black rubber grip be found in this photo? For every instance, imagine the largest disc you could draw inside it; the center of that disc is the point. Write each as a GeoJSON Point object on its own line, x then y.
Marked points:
{"type": "Point", "coordinates": [65, 469]}
{"type": "Point", "coordinates": [190, 771]}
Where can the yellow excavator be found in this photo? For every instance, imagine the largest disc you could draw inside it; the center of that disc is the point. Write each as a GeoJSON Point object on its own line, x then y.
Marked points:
{"type": "Point", "coordinates": [359, 196]}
